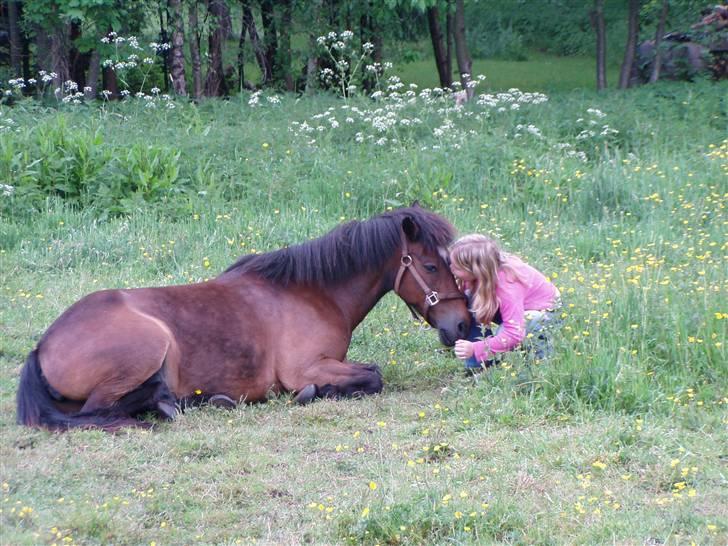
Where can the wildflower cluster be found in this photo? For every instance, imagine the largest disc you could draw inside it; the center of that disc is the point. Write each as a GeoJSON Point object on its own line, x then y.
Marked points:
{"type": "Point", "coordinates": [400, 115]}
{"type": "Point", "coordinates": [681, 484]}
{"type": "Point", "coordinates": [512, 99]}
{"type": "Point", "coordinates": [593, 127]}
{"type": "Point", "coordinates": [592, 131]}
{"type": "Point", "coordinates": [127, 59]}
{"type": "Point", "coordinates": [18, 86]}
{"type": "Point", "coordinates": [594, 504]}
{"type": "Point", "coordinates": [327, 508]}
{"type": "Point", "coordinates": [130, 60]}
{"type": "Point", "coordinates": [123, 60]}
{"type": "Point", "coordinates": [346, 68]}
{"type": "Point", "coordinates": [719, 153]}
{"type": "Point", "coordinates": [258, 96]}
{"type": "Point", "coordinates": [530, 129]}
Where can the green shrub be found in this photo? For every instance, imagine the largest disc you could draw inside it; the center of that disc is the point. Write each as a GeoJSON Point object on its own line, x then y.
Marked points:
{"type": "Point", "coordinates": [78, 165]}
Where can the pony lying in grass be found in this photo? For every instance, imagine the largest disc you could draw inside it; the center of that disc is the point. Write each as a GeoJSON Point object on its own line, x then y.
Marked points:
{"type": "Point", "coordinates": [275, 322]}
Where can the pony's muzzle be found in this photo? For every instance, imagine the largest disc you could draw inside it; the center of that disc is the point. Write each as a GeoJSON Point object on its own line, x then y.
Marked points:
{"type": "Point", "coordinates": [448, 336]}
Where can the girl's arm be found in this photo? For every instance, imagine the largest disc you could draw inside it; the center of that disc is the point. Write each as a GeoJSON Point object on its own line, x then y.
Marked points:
{"type": "Point", "coordinates": [513, 329]}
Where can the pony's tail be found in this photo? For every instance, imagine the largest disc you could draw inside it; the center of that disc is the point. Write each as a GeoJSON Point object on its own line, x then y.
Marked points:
{"type": "Point", "coordinates": [36, 407]}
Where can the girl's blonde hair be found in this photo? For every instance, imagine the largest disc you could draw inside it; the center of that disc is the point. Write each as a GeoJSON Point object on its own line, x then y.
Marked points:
{"type": "Point", "coordinates": [482, 258]}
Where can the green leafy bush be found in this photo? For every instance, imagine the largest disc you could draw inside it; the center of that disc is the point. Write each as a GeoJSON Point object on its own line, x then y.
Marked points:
{"type": "Point", "coordinates": [77, 165]}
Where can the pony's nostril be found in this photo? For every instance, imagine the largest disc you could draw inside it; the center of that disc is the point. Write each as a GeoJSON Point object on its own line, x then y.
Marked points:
{"type": "Point", "coordinates": [462, 328]}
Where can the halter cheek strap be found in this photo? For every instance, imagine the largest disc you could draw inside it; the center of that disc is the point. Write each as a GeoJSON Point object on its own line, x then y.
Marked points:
{"type": "Point", "coordinates": [432, 297]}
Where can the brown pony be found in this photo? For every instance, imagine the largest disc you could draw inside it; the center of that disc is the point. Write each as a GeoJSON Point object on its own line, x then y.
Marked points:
{"type": "Point", "coordinates": [271, 323]}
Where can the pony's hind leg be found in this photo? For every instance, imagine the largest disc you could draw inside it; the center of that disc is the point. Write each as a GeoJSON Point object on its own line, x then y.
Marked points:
{"type": "Point", "coordinates": [151, 396]}
{"type": "Point", "coordinates": [333, 379]}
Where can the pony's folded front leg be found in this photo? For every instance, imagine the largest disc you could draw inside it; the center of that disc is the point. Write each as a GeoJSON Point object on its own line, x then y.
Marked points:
{"type": "Point", "coordinates": [331, 378]}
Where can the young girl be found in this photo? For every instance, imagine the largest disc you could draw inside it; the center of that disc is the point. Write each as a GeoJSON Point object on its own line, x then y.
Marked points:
{"type": "Point", "coordinates": [501, 288]}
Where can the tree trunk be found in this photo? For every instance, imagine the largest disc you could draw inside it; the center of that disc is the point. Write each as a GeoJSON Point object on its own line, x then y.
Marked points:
{"type": "Point", "coordinates": [657, 63]}
{"type": "Point", "coordinates": [215, 82]}
{"type": "Point", "coordinates": [26, 56]}
{"type": "Point", "coordinates": [633, 28]}
{"type": "Point", "coordinates": [226, 22]}
{"type": "Point", "coordinates": [164, 38]}
{"type": "Point", "coordinates": [284, 51]}
{"type": "Point", "coordinates": [110, 82]}
{"type": "Point", "coordinates": [78, 63]}
{"type": "Point", "coordinates": [438, 46]}
{"type": "Point", "coordinates": [195, 52]}
{"type": "Point", "coordinates": [270, 37]}
{"type": "Point", "coordinates": [255, 42]}
{"type": "Point", "coordinates": [597, 19]}
{"type": "Point", "coordinates": [59, 54]}
{"type": "Point", "coordinates": [449, 33]}
{"type": "Point", "coordinates": [312, 62]}
{"type": "Point", "coordinates": [333, 10]}
{"type": "Point", "coordinates": [377, 40]}
{"type": "Point", "coordinates": [465, 63]}
{"type": "Point", "coordinates": [94, 70]}
{"type": "Point", "coordinates": [16, 41]}
{"type": "Point", "coordinates": [177, 53]}
{"type": "Point", "coordinates": [312, 67]}
{"type": "Point", "coordinates": [241, 54]}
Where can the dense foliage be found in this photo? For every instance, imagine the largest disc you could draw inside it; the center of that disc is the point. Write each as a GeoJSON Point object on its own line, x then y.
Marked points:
{"type": "Point", "coordinates": [223, 46]}
{"type": "Point", "coordinates": [512, 29]}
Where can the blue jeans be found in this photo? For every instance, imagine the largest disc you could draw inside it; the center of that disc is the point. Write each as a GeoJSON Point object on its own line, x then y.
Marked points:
{"type": "Point", "coordinates": [537, 343]}
{"type": "Point", "coordinates": [476, 333]}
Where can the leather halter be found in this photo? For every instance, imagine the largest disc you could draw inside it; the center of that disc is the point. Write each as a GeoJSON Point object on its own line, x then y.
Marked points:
{"type": "Point", "coordinates": [432, 297]}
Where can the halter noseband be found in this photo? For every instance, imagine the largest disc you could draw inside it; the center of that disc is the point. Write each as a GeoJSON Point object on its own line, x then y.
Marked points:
{"type": "Point", "coordinates": [432, 297]}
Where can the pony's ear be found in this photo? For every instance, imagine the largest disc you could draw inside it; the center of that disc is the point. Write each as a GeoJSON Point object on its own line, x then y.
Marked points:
{"type": "Point", "coordinates": [415, 204]}
{"type": "Point", "coordinates": [410, 228]}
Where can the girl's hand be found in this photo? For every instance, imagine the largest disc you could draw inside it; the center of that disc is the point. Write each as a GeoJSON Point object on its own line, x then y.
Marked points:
{"type": "Point", "coordinates": [463, 349]}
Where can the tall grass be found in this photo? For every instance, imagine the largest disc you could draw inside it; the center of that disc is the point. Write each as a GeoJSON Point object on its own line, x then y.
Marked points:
{"type": "Point", "coordinates": [612, 201]}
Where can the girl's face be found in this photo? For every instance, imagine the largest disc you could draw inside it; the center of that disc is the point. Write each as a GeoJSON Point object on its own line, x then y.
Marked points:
{"type": "Point", "coordinates": [461, 274]}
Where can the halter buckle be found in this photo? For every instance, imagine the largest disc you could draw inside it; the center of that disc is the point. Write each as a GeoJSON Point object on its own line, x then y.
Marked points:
{"type": "Point", "coordinates": [432, 299]}
{"type": "Point", "coordinates": [406, 260]}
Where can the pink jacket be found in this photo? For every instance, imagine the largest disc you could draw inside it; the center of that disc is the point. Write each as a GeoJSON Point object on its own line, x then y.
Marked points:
{"type": "Point", "coordinates": [533, 292]}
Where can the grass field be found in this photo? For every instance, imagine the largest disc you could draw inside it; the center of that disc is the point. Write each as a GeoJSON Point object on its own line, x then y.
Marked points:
{"type": "Point", "coordinates": [620, 438]}
{"type": "Point", "coordinates": [541, 72]}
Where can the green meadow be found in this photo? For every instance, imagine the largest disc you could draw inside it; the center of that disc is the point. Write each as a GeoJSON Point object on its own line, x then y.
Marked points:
{"type": "Point", "coordinates": [619, 197]}
{"type": "Point", "coordinates": [539, 72]}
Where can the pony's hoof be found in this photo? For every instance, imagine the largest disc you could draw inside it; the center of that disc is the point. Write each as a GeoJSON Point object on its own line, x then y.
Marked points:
{"type": "Point", "coordinates": [167, 410]}
{"type": "Point", "coordinates": [373, 368]}
{"type": "Point", "coordinates": [222, 401]}
{"type": "Point", "coordinates": [306, 394]}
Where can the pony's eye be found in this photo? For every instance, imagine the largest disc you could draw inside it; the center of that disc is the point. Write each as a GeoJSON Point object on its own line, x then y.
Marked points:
{"type": "Point", "coordinates": [430, 268]}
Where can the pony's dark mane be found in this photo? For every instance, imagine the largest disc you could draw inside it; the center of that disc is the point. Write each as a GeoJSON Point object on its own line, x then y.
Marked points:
{"type": "Point", "coordinates": [351, 248]}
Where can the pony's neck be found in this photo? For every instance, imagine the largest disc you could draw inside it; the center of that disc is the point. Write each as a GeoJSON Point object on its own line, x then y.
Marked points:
{"type": "Point", "coordinates": [358, 297]}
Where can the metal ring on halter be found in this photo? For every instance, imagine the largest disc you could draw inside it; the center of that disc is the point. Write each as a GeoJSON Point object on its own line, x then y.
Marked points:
{"type": "Point", "coordinates": [432, 298]}
{"type": "Point", "coordinates": [406, 260]}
